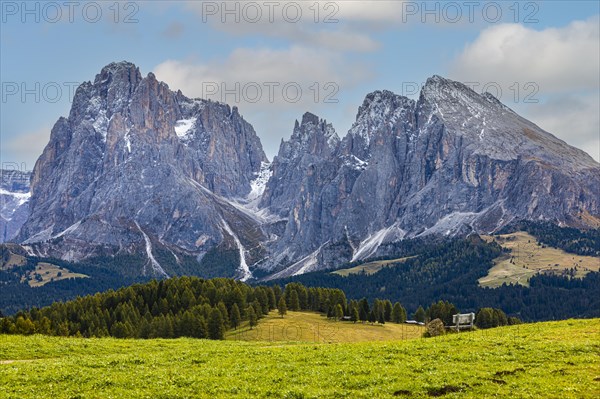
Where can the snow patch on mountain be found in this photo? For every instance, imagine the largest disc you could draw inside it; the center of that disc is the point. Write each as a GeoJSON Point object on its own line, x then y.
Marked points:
{"type": "Point", "coordinates": [20, 198]}
{"type": "Point", "coordinates": [42, 236]}
{"type": "Point", "coordinates": [369, 245]}
{"type": "Point", "coordinates": [100, 124]}
{"type": "Point", "coordinates": [452, 223]}
{"type": "Point", "coordinates": [69, 229]}
{"type": "Point", "coordinates": [354, 162]}
{"type": "Point", "coordinates": [260, 182]}
{"type": "Point", "coordinates": [153, 262]}
{"type": "Point", "coordinates": [184, 126]}
{"type": "Point", "coordinates": [307, 264]}
{"type": "Point", "coordinates": [244, 269]}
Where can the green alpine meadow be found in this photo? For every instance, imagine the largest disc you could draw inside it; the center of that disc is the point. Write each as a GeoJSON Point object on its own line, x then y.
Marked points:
{"type": "Point", "coordinates": [299, 199]}
{"type": "Point", "coordinates": [538, 360]}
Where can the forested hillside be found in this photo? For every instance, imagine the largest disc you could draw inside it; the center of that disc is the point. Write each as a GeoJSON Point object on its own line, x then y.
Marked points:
{"type": "Point", "coordinates": [185, 306]}
{"type": "Point", "coordinates": [569, 239]}
{"type": "Point", "coordinates": [450, 270]}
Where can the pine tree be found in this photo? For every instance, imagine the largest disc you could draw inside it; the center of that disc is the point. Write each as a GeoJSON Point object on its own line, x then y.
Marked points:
{"type": "Point", "coordinates": [224, 313]}
{"type": "Point", "coordinates": [277, 292]}
{"type": "Point", "coordinates": [252, 319]}
{"type": "Point", "coordinates": [24, 326]}
{"type": "Point", "coordinates": [257, 309]}
{"type": "Point", "coordinates": [381, 317]}
{"type": "Point", "coordinates": [119, 330]}
{"type": "Point", "coordinates": [420, 315]}
{"type": "Point", "coordinates": [354, 314]}
{"type": "Point", "coordinates": [63, 329]}
{"type": "Point", "coordinates": [387, 306]}
{"type": "Point", "coordinates": [377, 311]}
{"type": "Point", "coordinates": [501, 317]}
{"type": "Point", "coordinates": [235, 317]}
{"type": "Point", "coordinates": [398, 313]}
{"type": "Point", "coordinates": [483, 319]}
{"type": "Point", "coordinates": [339, 312]}
{"type": "Point", "coordinates": [271, 296]}
{"type": "Point", "coordinates": [216, 327]}
{"type": "Point", "coordinates": [168, 330]}
{"type": "Point", "coordinates": [363, 309]}
{"type": "Point", "coordinates": [263, 299]}
{"type": "Point", "coordinates": [294, 301]}
{"type": "Point", "coordinates": [404, 314]}
{"type": "Point", "coordinates": [372, 316]}
{"type": "Point", "coordinates": [282, 307]}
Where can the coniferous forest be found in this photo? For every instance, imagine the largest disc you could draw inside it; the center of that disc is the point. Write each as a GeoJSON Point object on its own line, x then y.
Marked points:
{"type": "Point", "coordinates": [437, 269]}
{"type": "Point", "coordinates": [450, 270]}
{"type": "Point", "coordinates": [569, 239]}
{"type": "Point", "coordinates": [198, 308]}
{"type": "Point", "coordinates": [178, 307]}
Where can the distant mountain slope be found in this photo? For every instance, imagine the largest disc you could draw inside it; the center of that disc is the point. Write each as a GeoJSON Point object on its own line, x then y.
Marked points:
{"type": "Point", "coordinates": [139, 169]}
{"type": "Point", "coordinates": [14, 202]}
{"type": "Point", "coordinates": [450, 163]}
{"type": "Point", "coordinates": [135, 167]}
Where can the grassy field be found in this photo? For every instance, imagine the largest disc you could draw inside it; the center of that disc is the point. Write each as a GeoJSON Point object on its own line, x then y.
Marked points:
{"type": "Point", "coordinates": [544, 360]}
{"type": "Point", "coordinates": [13, 260]}
{"type": "Point", "coordinates": [48, 273]}
{"type": "Point", "coordinates": [369, 267]}
{"type": "Point", "coordinates": [527, 259]}
{"type": "Point", "coordinates": [313, 327]}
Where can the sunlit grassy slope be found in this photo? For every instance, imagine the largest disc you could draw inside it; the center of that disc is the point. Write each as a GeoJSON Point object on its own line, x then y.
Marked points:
{"type": "Point", "coordinates": [526, 259]}
{"type": "Point", "coordinates": [49, 273]}
{"type": "Point", "coordinates": [370, 267]}
{"type": "Point", "coordinates": [544, 360]}
{"type": "Point", "coordinates": [313, 327]}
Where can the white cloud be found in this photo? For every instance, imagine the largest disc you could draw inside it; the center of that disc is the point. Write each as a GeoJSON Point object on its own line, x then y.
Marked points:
{"type": "Point", "coordinates": [312, 70]}
{"type": "Point", "coordinates": [574, 119]}
{"type": "Point", "coordinates": [299, 66]}
{"type": "Point", "coordinates": [26, 147]}
{"type": "Point", "coordinates": [328, 25]}
{"type": "Point", "coordinates": [562, 62]}
{"type": "Point", "coordinates": [556, 59]}
{"type": "Point", "coordinates": [320, 54]}
{"type": "Point", "coordinates": [384, 11]}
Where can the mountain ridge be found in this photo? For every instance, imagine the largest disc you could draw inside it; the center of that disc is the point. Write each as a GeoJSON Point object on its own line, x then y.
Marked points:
{"type": "Point", "coordinates": [136, 167]}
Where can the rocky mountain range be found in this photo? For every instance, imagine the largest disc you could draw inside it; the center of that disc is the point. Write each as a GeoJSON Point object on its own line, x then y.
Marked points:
{"type": "Point", "coordinates": [14, 202]}
{"type": "Point", "coordinates": [139, 168]}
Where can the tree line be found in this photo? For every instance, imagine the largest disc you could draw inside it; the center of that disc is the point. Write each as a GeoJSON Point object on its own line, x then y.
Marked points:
{"type": "Point", "coordinates": [569, 239]}
{"type": "Point", "coordinates": [189, 307]}
{"type": "Point", "coordinates": [450, 270]}
{"type": "Point", "coordinates": [198, 308]}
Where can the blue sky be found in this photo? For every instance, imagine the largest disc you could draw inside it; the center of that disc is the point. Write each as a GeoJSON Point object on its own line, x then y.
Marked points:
{"type": "Point", "coordinates": [543, 56]}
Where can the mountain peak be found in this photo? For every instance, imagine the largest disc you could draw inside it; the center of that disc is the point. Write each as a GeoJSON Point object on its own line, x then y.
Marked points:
{"type": "Point", "coordinates": [437, 79]}
{"type": "Point", "coordinates": [438, 85]}
{"type": "Point", "coordinates": [310, 118]}
{"type": "Point", "coordinates": [119, 65]}
{"type": "Point", "coordinates": [313, 135]}
{"type": "Point", "coordinates": [119, 70]}
{"type": "Point", "coordinates": [382, 100]}
{"type": "Point", "coordinates": [379, 96]}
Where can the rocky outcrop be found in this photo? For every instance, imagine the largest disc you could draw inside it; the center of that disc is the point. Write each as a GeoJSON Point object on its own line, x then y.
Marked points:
{"type": "Point", "coordinates": [452, 162]}
{"type": "Point", "coordinates": [14, 202]}
{"type": "Point", "coordinates": [135, 160]}
{"type": "Point", "coordinates": [138, 168]}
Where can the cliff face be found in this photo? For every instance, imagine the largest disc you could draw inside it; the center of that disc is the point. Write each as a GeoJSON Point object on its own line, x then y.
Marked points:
{"type": "Point", "coordinates": [451, 163]}
{"type": "Point", "coordinates": [136, 166]}
{"type": "Point", "coordinates": [14, 202]}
